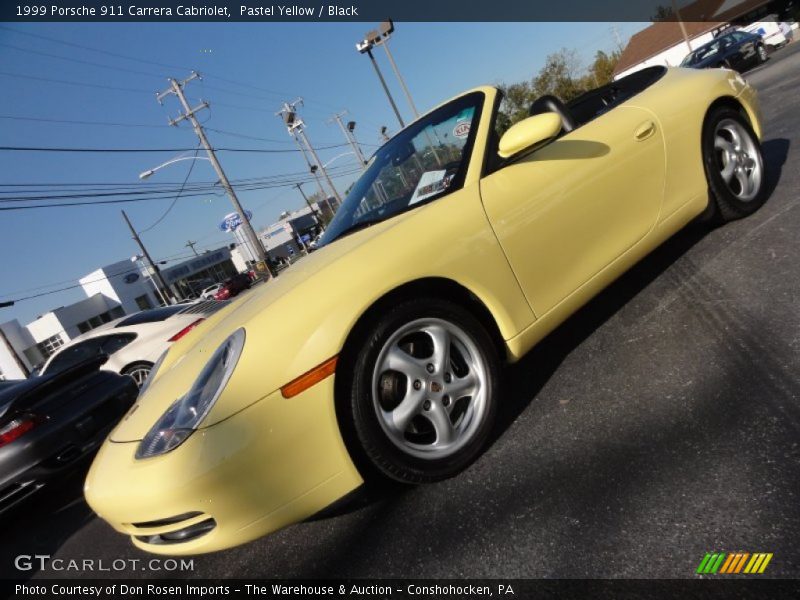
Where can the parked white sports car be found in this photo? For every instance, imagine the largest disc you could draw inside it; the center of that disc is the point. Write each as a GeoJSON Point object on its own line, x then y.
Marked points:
{"type": "Point", "coordinates": [134, 342]}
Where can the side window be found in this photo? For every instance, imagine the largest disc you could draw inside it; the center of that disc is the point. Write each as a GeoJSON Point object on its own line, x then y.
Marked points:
{"type": "Point", "coordinates": [72, 355]}
{"type": "Point", "coordinates": [113, 343]}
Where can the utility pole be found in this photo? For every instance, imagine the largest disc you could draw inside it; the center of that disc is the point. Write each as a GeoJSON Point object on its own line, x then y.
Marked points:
{"type": "Point", "coordinates": [680, 22]}
{"type": "Point", "coordinates": [156, 271]}
{"type": "Point", "coordinates": [296, 127]}
{"type": "Point", "coordinates": [347, 130]}
{"type": "Point", "coordinates": [176, 87]}
{"type": "Point", "coordinates": [617, 37]}
{"type": "Point", "coordinates": [191, 244]}
{"type": "Point", "coordinates": [314, 213]}
{"type": "Point", "coordinates": [311, 167]}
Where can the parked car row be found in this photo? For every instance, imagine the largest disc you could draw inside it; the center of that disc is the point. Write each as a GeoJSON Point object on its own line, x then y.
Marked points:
{"type": "Point", "coordinates": [741, 49]}
{"type": "Point", "coordinates": [52, 423]}
{"type": "Point", "coordinates": [737, 50]}
{"type": "Point", "coordinates": [50, 426]}
{"type": "Point", "coordinates": [134, 343]}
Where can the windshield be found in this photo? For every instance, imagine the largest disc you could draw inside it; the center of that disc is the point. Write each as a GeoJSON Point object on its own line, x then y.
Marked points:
{"type": "Point", "coordinates": [703, 52]}
{"type": "Point", "coordinates": [423, 162]}
{"type": "Point", "coordinates": [82, 351]}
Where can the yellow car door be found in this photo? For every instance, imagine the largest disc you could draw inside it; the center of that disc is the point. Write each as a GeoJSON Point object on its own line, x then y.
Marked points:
{"type": "Point", "coordinates": [569, 209]}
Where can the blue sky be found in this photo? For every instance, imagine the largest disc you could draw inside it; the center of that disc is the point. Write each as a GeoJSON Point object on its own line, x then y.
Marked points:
{"type": "Point", "coordinates": [48, 249]}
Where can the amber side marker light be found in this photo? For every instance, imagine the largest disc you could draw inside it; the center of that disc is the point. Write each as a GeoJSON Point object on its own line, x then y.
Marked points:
{"type": "Point", "coordinates": [313, 377]}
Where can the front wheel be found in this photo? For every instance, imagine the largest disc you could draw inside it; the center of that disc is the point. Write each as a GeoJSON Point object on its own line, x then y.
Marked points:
{"type": "Point", "coordinates": [762, 54]}
{"type": "Point", "coordinates": [733, 164]}
{"type": "Point", "coordinates": [423, 394]}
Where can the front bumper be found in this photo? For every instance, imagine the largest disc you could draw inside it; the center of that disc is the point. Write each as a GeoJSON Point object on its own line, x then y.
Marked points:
{"type": "Point", "coordinates": [275, 463]}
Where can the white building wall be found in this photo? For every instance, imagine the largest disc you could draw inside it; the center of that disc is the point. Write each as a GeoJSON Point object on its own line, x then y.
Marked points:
{"type": "Point", "coordinates": [16, 340]}
{"type": "Point", "coordinates": [111, 282]}
{"type": "Point", "coordinates": [671, 57]}
{"type": "Point", "coordinates": [64, 320]}
{"type": "Point", "coordinates": [47, 326]}
{"type": "Point", "coordinates": [238, 260]}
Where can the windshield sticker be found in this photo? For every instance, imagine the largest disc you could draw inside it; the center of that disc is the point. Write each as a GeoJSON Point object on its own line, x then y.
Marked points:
{"type": "Point", "coordinates": [429, 184]}
{"type": "Point", "coordinates": [461, 130]}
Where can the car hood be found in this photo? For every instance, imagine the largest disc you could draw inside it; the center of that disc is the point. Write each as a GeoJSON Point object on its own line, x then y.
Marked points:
{"type": "Point", "coordinates": [265, 324]}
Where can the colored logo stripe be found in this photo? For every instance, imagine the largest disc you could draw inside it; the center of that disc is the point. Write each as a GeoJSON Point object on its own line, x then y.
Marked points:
{"type": "Point", "coordinates": [734, 562]}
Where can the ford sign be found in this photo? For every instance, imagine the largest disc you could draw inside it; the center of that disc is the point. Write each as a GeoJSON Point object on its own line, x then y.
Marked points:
{"type": "Point", "coordinates": [131, 277]}
{"type": "Point", "coordinates": [232, 221]}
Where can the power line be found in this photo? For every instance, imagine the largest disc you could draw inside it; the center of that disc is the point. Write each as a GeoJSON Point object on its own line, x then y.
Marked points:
{"type": "Point", "coordinates": [71, 122]}
{"type": "Point", "coordinates": [139, 199]}
{"type": "Point", "coordinates": [75, 83]}
{"type": "Point", "coordinates": [132, 150]}
{"type": "Point", "coordinates": [151, 62]}
{"type": "Point", "coordinates": [140, 184]}
{"type": "Point", "coordinates": [171, 206]}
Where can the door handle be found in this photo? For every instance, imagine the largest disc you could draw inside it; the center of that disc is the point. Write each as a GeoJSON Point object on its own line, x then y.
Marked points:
{"type": "Point", "coordinates": [644, 131]}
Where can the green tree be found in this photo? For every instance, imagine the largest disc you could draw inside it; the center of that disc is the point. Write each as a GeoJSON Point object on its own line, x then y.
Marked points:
{"type": "Point", "coordinates": [561, 76]}
{"type": "Point", "coordinates": [663, 13]}
{"type": "Point", "coordinates": [517, 99]}
{"type": "Point", "coordinates": [601, 71]}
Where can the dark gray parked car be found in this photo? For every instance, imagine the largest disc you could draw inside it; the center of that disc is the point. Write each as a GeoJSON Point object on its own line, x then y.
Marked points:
{"type": "Point", "coordinates": [51, 425]}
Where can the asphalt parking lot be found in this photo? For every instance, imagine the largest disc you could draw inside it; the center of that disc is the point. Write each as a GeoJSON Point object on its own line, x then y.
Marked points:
{"type": "Point", "coordinates": [660, 423]}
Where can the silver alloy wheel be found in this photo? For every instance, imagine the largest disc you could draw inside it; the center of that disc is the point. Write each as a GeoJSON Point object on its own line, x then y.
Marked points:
{"type": "Point", "coordinates": [439, 380]}
{"type": "Point", "coordinates": [739, 159]}
{"type": "Point", "coordinates": [139, 374]}
{"type": "Point", "coordinates": [762, 53]}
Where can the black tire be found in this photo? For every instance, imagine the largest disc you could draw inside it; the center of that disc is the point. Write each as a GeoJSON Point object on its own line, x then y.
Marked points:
{"type": "Point", "coordinates": [728, 203]}
{"type": "Point", "coordinates": [377, 453]}
{"type": "Point", "coordinates": [763, 55]}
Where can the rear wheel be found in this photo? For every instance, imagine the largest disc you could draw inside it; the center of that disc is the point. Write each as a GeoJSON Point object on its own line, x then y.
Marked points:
{"type": "Point", "coordinates": [762, 54]}
{"type": "Point", "coordinates": [139, 372]}
{"type": "Point", "coordinates": [423, 395]}
{"type": "Point", "coordinates": [733, 164]}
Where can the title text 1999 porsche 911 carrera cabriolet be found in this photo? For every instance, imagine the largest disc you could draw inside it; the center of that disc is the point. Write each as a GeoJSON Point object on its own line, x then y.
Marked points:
{"type": "Point", "coordinates": [380, 354]}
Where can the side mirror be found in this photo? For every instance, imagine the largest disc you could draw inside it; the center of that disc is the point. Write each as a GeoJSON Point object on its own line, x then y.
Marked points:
{"type": "Point", "coordinates": [529, 132]}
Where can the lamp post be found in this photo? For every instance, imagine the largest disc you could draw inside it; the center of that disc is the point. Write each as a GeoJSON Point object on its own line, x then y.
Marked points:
{"type": "Point", "coordinates": [386, 28]}
{"type": "Point", "coordinates": [149, 172]}
{"type": "Point", "coordinates": [253, 251]}
{"type": "Point", "coordinates": [365, 47]}
{"type": "Point", "coordinates": [137, 260]}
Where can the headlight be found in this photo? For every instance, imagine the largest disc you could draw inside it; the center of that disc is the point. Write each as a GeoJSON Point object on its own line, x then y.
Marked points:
{"type": "Point", "coordinates": [184, 416]}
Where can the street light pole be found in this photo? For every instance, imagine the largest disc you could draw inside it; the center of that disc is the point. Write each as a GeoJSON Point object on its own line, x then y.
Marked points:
{"type": "Point", "coordinates": [365, 47]}
{"type": "Point", "coordinates": [146, 254]}
{"type": "Point", "coordinates": [137, 258]}
{"type": "Point", "coordinates": [385, 44]}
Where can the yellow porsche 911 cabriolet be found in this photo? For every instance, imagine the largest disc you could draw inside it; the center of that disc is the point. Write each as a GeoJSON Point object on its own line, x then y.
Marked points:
{"type": "Point", "coordinates": [380, 354]}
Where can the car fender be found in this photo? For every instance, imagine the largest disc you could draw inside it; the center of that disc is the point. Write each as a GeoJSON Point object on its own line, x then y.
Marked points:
{"type": "Point", "coordinates": [303, 317]}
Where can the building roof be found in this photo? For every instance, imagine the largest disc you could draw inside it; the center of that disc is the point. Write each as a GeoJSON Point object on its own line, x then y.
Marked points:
{"type": "Point", "coordinates": [698, 18]}
{"type": "Point", "coordinates": [657, 38]}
